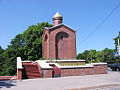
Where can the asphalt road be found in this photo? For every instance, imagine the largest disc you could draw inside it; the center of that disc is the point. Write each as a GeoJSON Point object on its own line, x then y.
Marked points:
{"type": "Point", "coordinates": [110, 81]}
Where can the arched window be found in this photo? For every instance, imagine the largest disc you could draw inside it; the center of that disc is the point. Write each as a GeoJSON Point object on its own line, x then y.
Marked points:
{"type": "Point", "coordinates": [46, 37]}
{"type": "Point", "coordinates": [60, 43]}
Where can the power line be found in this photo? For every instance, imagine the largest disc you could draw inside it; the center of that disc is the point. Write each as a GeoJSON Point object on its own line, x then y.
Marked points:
{"type": "Point", "coordinates": [101, 23]}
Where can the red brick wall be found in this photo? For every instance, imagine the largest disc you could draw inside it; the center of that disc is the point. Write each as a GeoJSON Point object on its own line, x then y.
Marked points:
{"type": "Point", "coordinates": [8, 78]}
{"type": "Point", "coordinates": [19, 74]}
{"type": "Point", "coordinates": [76, 71]}
{"type": "Point", "coordinates": [45, 44]}
{"type": "Point", "coordinates": [67, 50]}
{"type": "Point", "coordinates": [100, 69]}
{"type": "Point", "coordinates": [35, 71]}
{"type": "Point", "coordinates": [97, 69]}
{"type": "Point", "coordinates": [31, 70]}
{"type": "Point", "coordinates": [47, 73]}
{"type": "Point", "coordinates": [64, 48]}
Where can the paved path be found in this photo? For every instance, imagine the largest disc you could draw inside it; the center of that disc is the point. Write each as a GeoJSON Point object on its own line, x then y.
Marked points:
{"type": "Point", "coordinates": [110, 81]}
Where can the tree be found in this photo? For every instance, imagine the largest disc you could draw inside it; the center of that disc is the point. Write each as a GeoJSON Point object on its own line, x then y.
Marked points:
{"type": "Point", "coordinates": [27, 45]}
{"type": "Point", "coordinates": [100, 56]}
{"type": "Point", "coordinates": [1, 59]}
{"type": "Point", "coordinates": [1, 50]}
{"type": "Point", "coordinates": [9, 64]}
{"type": "Point", "coordinates": [84, 55]}
{"type": "Point", "coordinates": [92, 55]}
{"type": "Point", "coordinates": [33, 41]}
{"type": "Point", "coordinates": [105, 55]}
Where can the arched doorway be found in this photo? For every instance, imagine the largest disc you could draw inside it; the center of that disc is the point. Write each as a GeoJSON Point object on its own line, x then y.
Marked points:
{"type": "Point", "coordinates": [61, 43]}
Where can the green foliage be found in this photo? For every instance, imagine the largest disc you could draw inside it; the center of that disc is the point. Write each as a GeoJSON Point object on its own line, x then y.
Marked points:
{"type": "Point", "coordinates": [84, 55]}
{"type": "Point", "coordinates": [27, 45]}
{"type": "Point", "coordinates": [105, 55]}
{"type": "Point", "coordinates": [1, 59]}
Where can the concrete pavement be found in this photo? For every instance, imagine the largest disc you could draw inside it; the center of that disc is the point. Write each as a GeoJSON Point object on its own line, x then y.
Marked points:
{"type": "Point", "coordinates": [108, 81]}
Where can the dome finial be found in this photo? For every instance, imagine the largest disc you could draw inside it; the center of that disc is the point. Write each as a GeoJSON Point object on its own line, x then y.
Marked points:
{"type": "Point", "coordinates": [57, 18]}
{"type": "Point", "coordinates": [57, 15]}
{"type": "Point", "coordinates": [57, 9]}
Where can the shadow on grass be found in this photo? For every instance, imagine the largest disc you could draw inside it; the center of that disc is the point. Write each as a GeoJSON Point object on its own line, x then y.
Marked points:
{"type": "Point", "coordinates": [7, 84]}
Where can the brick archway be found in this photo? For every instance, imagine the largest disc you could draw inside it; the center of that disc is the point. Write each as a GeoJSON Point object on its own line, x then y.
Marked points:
{"type": "Point", "coordinates": [61, 43]}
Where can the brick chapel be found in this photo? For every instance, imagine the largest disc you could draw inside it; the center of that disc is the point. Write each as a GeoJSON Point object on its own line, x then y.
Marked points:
{"type": "Point", "coordinates": [59, 41]}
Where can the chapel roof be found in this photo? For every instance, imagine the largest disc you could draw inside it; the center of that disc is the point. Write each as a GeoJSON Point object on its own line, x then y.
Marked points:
{"type": "Point", "coordinates": [49, 28]}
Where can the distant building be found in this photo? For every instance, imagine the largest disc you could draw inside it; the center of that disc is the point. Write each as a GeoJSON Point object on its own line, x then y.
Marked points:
{"type": "Point", "coordinates": [59, 41]}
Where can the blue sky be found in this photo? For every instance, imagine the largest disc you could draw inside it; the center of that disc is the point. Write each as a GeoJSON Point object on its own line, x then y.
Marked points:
{"type": "Point", "coordinates": [81, 15]}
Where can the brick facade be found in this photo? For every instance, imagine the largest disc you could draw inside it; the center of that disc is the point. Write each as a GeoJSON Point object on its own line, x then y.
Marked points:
{"type": "Point", "coordinates": [19, 74]}
{"type": "Point", "coordinates": [100, 69]}
{"type": "Point", "coordinates": [76, 71]}
{"type": "Point", "coordinates": [32, 72]}
{"type": "Point", "coordinates": [45, 44]}
{"type": "Point", "coordinates": [47, 73]}
{"type": "Point", "coordinates": [97, 69]}
{"type": "Point", "coordinates": [59, 43]}
{"type": "Point", "coordinates": [8, 78]}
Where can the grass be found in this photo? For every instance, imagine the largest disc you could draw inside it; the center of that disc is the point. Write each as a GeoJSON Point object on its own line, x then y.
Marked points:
{"type": "Point", "coordinates": [71, 64]}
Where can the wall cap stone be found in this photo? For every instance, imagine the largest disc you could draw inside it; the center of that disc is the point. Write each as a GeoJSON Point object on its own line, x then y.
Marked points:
{"type": "Point", "coordinates": [82, 66]}
{"type": "Point", "coordinates": [19, 63]}
{"type": "Point", "coordinates": [66, 60]}
{"type": "Point", "coordinates": [99, 63]}
{"type": "Point", "coordinates": [43, 64]}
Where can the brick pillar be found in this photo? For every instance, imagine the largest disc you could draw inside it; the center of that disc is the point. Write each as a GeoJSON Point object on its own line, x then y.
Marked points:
{"type": "Point", "coordinates": [19, 68]}
{"type": "Point", "coordinates": [19, 74]}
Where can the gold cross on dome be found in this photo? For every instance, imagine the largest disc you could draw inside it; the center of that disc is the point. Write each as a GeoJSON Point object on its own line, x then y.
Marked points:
{"type": "Point", "coordinates": [57, 9]}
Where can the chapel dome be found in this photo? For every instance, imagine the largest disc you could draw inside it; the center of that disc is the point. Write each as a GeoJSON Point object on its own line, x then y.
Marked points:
{"type": "Point", "coordinates": [57, 16]}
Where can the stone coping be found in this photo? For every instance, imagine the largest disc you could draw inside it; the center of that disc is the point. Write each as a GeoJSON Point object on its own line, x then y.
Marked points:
{"type": "Point", "coordinates": [81, 66]}
{"type": "Point", "coordinates": [19, 63]}
{"type": "Point", "coordinates": [26, 61]}
{"type": "Point", "coordinates": [99, 63]}
{"type": "Point", "coordinates": [67, 60]}
{"type": "Point", "coordinates": [43, 64]}
{"type": "Point", "coordinates": [58, 60]}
